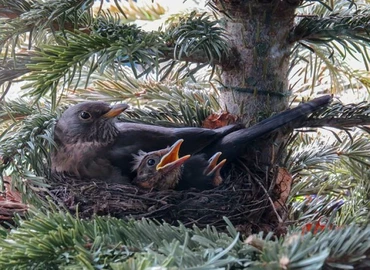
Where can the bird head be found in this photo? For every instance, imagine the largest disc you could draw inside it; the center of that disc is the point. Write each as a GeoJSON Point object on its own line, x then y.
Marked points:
{"type": "Point", "coordinates": [90, 121]}
{"type": "Point", "coordinates": [159, 169]}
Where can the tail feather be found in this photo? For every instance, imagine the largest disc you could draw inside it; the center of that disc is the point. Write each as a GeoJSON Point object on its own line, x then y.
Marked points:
{"type": "Point", "coordinates": [235, 144]}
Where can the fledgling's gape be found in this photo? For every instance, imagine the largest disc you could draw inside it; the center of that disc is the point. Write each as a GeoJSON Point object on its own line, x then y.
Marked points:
{"type": "Point", "coordinates": [164, 169]}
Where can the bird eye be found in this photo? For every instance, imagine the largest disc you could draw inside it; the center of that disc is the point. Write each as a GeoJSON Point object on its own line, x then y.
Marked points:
{"type": "Point", "coordinates": [85, 115]}
{"type": "Point", "coordinates": [150, 162]}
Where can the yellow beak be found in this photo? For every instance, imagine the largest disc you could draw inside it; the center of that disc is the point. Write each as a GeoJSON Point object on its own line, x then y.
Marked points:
{"type": "Point", "coordinates": [171, 159]}
{"type": "Point", "coordinates": [116, 110]}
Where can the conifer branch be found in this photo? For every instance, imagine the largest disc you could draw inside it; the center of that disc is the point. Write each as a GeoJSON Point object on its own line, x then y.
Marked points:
{"type": "Point", "coordinates": [60, 239]}
{"type": "Point", "coordinates": [344, 31]}
{"type": "Point", "coordinates": [341, 116]}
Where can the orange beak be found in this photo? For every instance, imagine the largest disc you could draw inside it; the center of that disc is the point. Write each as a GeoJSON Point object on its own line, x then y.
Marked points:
{"type": "Point", "coordinates": [216, 170]}
{"type": "Point", "coordinates": [212, 162]}
{"type": "Point", "coordinates": [115, 110]}
{"type": "Point", "coordinates": [171, 159]}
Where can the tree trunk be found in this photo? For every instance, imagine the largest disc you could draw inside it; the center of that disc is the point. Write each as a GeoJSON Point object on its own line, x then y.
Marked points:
{"type": "Point", "coordinates": [258, 86]}
{"type": "Point", "coordinates": [258, 32]}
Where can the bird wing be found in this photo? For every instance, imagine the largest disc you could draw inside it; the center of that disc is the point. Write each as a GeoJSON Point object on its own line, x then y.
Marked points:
{"type": "Point", "coordinates": [134, 137]}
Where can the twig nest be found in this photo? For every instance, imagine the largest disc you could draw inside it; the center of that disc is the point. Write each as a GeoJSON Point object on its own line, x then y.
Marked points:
{"type": "Point", "coordinates": [244, 203]}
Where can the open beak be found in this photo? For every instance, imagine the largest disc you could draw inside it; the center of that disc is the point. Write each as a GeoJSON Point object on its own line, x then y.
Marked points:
{"type": "Point", "coordinates": [171, 160]}
{"type": "Point", "coordinates": [216, 171]}
{"type": "Point", "coordinates": [212, 162]}
{"type": "Point", "coordinates": [116, 110]}
{"type": "Point", "coordinates": [213, 169]}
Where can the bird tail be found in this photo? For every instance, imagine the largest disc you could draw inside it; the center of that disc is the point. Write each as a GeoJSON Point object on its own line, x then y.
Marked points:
{"type": "Point", "coordinates": [236, 143]}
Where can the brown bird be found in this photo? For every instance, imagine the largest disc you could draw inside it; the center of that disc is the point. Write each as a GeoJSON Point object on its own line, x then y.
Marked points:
{"type": "Point", "coordinates": [92, 145]}
{"type": "Point", "coordinates": [82, 135]}
{"type": "Point", "coordinates": [163, 169]}
{"type": "Point", "coordinates": [159, 169]}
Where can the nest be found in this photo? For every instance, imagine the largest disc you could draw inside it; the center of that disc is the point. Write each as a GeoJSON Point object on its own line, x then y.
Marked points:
{"type": "Point", "coordinates": [242, 200]}
{"type": "Point", "coordinates": [10, 204]}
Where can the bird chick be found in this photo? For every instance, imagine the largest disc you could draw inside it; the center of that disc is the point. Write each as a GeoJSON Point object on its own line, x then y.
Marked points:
{"type": "Point", "coordinates": [159, 169]}
{"type": "Point", "coordinates": [200, 173]}
{"type": "Point", "coordinates": [163, 169]}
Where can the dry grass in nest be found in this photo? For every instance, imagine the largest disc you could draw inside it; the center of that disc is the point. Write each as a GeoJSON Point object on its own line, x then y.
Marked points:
{"type": "Point", "coordinates": [241, 200]}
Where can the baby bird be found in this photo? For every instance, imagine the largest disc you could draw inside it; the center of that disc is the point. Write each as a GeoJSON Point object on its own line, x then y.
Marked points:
{"type": "Point", "coordinates": [200, 173]}
{"type": "Point", "coordinates": [163, 169]}
{"type": "Point", "coordinates": [159, 169]}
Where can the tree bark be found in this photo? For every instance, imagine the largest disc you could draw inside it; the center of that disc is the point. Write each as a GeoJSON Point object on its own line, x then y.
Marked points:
{"type": "Point", "coordinates": [257, 86]}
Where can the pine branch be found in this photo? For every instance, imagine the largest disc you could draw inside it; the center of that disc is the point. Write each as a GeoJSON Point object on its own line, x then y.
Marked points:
{"type": "Point", "coordinates": [12, 9]}
{"type": "Point", "coordinates": [59, 239]}
{"type": "Point", "coordinates": [308, 208]}
{"type": "Point", "coordinates": [323, 72]}
{"type": "Point", "coordinates": [308, 154]}
{"type": "Point", "coordinates": [110, 44]}
{"type": "Point", "coordinates": [26, 140]}
{"type": "Point", "coordinates": [7, 75]}
{"type": "Point", "coordinates": [194, 35]}
{"type": "Point", "coordinates": [11, 70]}
{"type": "Point", "coordinates": [342, 248]}
{"type": "Point", "coordinates": [338, 115]}
{"type": "Point", "coordinates": [131, 11]}
{"type": "Point", "coordinates": [14, 111]}
{"type": "Point", "coordinates": [318, 59]}
{"type": "Point", "coordinates": [330, 175]}
{"type": "Point", "coordinates": [343, 31]}
{"type": "Point", "coordinates": [34, 21]}
{"type": "Point", "coordinates": [195, 38]}
{"type": "Point", "coordinates": [53, 63]}
{"type": "Point", "coordinates": [25, 143]}
{"type": "Point", "coordinates": [342, 25]}
{"type": "Point", "coordinates": [26, 16]}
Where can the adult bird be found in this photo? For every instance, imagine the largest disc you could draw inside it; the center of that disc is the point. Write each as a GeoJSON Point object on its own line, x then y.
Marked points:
{"type": "Point", "coordinates": [82, 135]}
{"type": "Point", "coordinates": [163, 169]}
{"type": "Point", "coordinates": [90, 144]}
